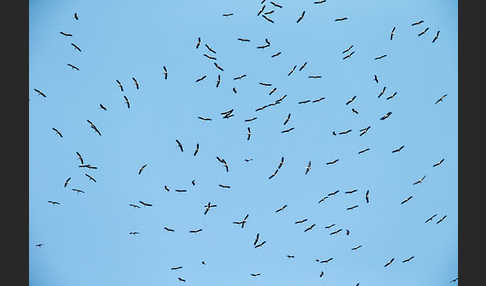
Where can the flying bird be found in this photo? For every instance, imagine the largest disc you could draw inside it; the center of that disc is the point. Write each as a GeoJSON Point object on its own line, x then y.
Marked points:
{"type": "Point", "coordinates": [382, 92]}
{"type": "Point", "coordinates": [256, 239]}
{"type": "Point", "coordinates": [333, 193]}
{"type": "Point", "coordinates": [73, 67]}
{"type": "Point", "coordinates": [322, 274]}
{"type": "Point", "coordinates": [268, 19]}
{"type": "Point", "coordinates": [303, 66]}
{"type": "Point", "coordinates": [336, 232]}
{"type": "Point", "coordinates": [239, 77]}
{"type": "Point", "coordinates": [310, 227]}
{"type": "Point", "coordinates": [201, 78]}
{"type": "Point", "coordinates": [356, 247]}
{"type": "Point", "coordinates": [204, 118]}
{"type": "Point", "coordinates": [364, 130]}
{"type": "Point", "coordinates": [329, 226]}
{"type": "Point", "coordinates": [436, 37]}
{"type": "Point", "coordinates": [39, 92]}
{"type": "Point", "coordinates": [209, 57]}
{"type": "Point", "coordinates": [255, 274]}
{"type": "Point", "coordinates": [386, 115]}
{"type": "Point", "coordinates": [224, 186]}
{"type": "Point", "coordinates": [389, 262]}
{"type": "Point", "coordinates": [277, 54]}
{"type": "Point", "coordinates": [119, 85]}
{"type": "Point", "coordinates": [351, 100]}
{"type": "Point", "coordinates": [391, 96]}
{"type": "Point", "coordinates": [276, 4]}
{"type": "Point", "coordinates": [126, 101]}
{"type": "Point", "coordinates": [292, 70]}
{"type": "Point", "coordinates": [281, 209]}
{"type": "Point", "coordinates": [134, 232]}
{"type": "Point", "coordinates": [423, 32]}
{"type": "Point", "coordinates": [319, 2]}
{"type": "Point", "coordinates": [218, 67]}
{"type": "Point", "coordinates": [54, 203]}
{"type": "Point", "coordinates": [209, 49]}
{"type": "Point", "coordinates": [243, 40]}
{"type": "Point", "coordinates": [67, 181]}
{"type": "Point", "coordinates": [90, 177]}
{"type": "Point", "coordinates": [181, 279]}
{"type": "Point", "coordinates": [408, 259]}
{"type": "Point", "coordinates": [78, 191]}
{"type": "Point", "coordinates": [198, 42]}
{"type": "Point", "coordinates": [317, 100]}
{"type": "Point", "coordinates": [354, 111]}
{"type": "Point", "coordinates": [196, 230]}
{"type": "Point", "coordinates": [141, 169]}
{"type": "Point", "coordinates": [227, 14]}
{"type": "Point", "coordinates": [76, 47]}
{"type": "Point", "coordinates": [440, 220]}
{"type": "Point", "coordinates": [94, 127]}
{"type": "Point", "coordinates": [224, 163]}
{"type": "Point", "coordinates": [399, 149]}
{"type": "Point", "coordinates": [180, 145]}
{"type": "Point", "coordinates": [57, 131]}
{"type": "Point", "coordinates": [367, 197]}
{"type": "Point", "coordinates": [430, 218]}
{"type": "Point", "coordinates": [76, 16]}
{"type": "Point", "coordinates": [260, 244]}
{"type": "Point", "coordinates": [352, 191]}
{"type": "Point", "coordinates": [441, 99]}
{"type": "Point", "coordinates": [348, 55]}
{"type": "Point", "coordinates": [249, 134]}
{"type": "Point", "coordinates": [341, 19]}
{"type": "Point", "coordinates": [137, 86]}
{"type": "Point", "coordinates": [419, 181]}
{"type": "Point", "coordinates": [103, 107]}
{"type": "Point", "coordinates": [218, 81]}
{"type": "Point", "coordinates": [301, 17]}
{"type": "Point", "coordinates": [348, 49]}
{"type": "Point", "coordinates": [308, 168]}
{"type": "Point", "coordinates": [287, 119]}
{"type": "Point", "coordinates": [353, 207]}
{"type": "Point", "coordinates": [165, 72]}
{"type": "Point", "coordinates": [145, 204]}
{"type": "Point", "coordinates": [168, 229]}
{"type": "Point", "coordinates": [380, 57]}
{"type": "Point", "coordinates": [176, 268]}
{"type": "Point", "coordinates": [406, 200]}
{"type": "Point", "coordinates": [392, 33]}
{"type": "Point", "coordinates": [332, 162]}
{"type": "Point", "coordinates": [323, 199]}
{"type": "Point", "coordinates": [305, 101]}
{"type": "Point", "coordinates": [301, 221]}
{"type": "Point", "coordinates": [315, 76]}
{"type": "Point", "coordinates": [66, 34]}
{"type": "Point", "coordinates": [438, 163]}
{"type": "Point", "coordinates": [417, 23]}
{"type": "Point", "coordinates": [288, 130]}
{"type": "Point", "coordinates": [208, 207]}
{"type": "Point", "coordinates": [134, 206]}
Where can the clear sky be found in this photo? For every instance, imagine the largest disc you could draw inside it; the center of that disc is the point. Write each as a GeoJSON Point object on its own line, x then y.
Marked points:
{"type": "Point", "coordinates": [86, 238]}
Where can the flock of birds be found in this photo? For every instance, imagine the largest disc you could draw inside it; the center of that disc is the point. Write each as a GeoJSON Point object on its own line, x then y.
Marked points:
{"type": "Point", "coordinates": [266, 11]}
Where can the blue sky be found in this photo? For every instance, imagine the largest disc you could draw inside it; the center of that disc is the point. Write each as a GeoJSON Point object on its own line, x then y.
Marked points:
{"type": "Point", "coordinates": [87, 239]}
